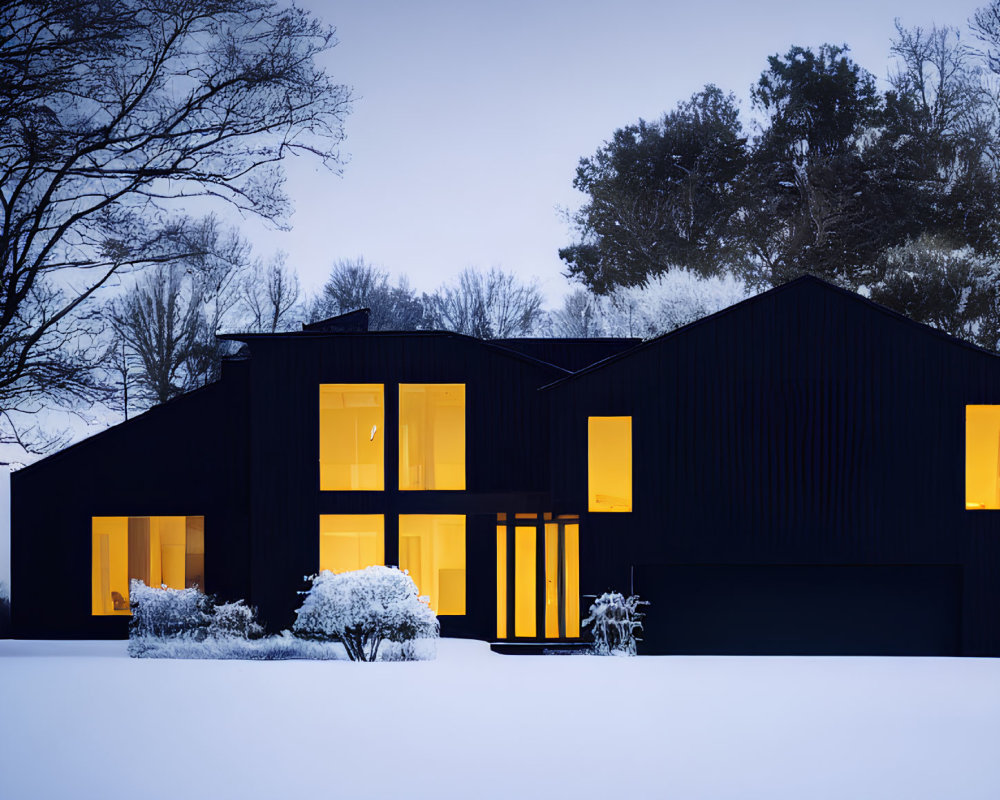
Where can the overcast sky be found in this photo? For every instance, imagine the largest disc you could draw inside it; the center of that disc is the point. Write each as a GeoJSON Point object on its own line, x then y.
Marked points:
{"type": "Point", "coordinates": [470, 117]}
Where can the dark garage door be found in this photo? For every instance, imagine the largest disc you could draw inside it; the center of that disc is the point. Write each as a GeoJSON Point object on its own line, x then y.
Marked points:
{"type": "Point", "coordinates": [799, 610]}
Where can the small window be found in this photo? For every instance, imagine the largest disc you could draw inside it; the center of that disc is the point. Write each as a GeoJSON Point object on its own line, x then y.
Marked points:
{"type": "Point", "coordinates": [432, 549]}
{"type": "Point", "coordinates": [351, 441]}
{"type": "Point", "coordinates": [609, 457]}
{"type": "Point", "coordinates": [431, 436]}
{"type": "Point", "coordinates": [982, 457]}
{"type": "Point", "coordinates": [351, 541]}
{"type": "Point", "coordinates": [159, 551]}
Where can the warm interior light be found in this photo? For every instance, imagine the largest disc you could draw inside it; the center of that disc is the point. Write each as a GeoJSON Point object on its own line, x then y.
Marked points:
{"type": "Point", "coordinates": [431, 436]}
{"type": "Point", "coordinates": [524, 581]}
{"type": "Point", "coordinates": [501, 581]}
{"type": "Point", "coordinates": [351, 541]}
{"type": "Point", "coordinates": [432, 549]}
{"type": "Point", "coordinates": [351, 451]}
{"type": "Point", "coordinates": [982, 457]}
{"type": "Point", "coordinates": [609, 457]}
{"type": "Point", "coordinates": [551, 581]}
{"type": "Point", "coordinates": [160, 551]}
{"type": "Point", "coordinates": [571, 544]}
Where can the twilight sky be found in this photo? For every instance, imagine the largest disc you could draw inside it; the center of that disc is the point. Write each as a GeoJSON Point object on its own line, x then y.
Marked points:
{"type": "Point", "coordinates": [470, 117]}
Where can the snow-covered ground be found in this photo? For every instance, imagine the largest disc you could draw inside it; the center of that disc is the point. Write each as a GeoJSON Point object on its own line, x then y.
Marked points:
{"type": "Point", "coordinates": [82, 720]}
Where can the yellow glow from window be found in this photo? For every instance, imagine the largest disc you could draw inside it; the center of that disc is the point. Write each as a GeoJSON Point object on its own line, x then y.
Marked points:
{"type": "Point", "coordinates": [524, 581]}
{"type": "Point", "coordinates": [160, 551]}
{"type": "Point", "coordinates": [609, 458]}
{"type": "Point", "coordinates": [551, 581]}
{"type": "Point", "coordinates": [982, 464]}
{"type": "Point", "coordinates": [571, 543]}
{"type": "Point", "coordinates": [351, 443]}
{"type": "Point", "coordinates": [351, 541]}
{"type": "Point", "coordinates": [432, 549]}
{"type": "Point", "coordinates": [431, 436]}
{"type": "Point", "coordinates": [501, 581]}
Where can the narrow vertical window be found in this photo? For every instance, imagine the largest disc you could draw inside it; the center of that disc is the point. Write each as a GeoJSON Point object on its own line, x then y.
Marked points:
{"type": "Point", "coordinates": [501, 581]}
{"type": "Point", "coordinates": [982, 457]}
{"type": "Point", "coordinates": [432, 550]}
{"type": "Point", "coordinates": [571, 535]}
{"type": "Point", "coordinates": [431, 436]}
{"type": "Point", "coordinates": [524, 581]}
{"type": "Point", "coordinates": [351, 541]}
{"type": "Point", "coordinates": [609, 457]}
{"type": "Point", "coordinates": [351, 441]}
{"type": "Point", "coordinates": [552, 604]}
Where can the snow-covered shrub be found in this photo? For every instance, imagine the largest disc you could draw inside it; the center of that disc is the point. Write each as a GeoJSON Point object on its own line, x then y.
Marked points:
{"type": "Point", "coordinates": [234, 621]}
{"type": "Point", "coordinates": [168, 613]}
{"type": "Point", "coordinates": [363, 608]}
{"type": "Point", "coordinates": [167, 621]}
{"type": "Point", "coordinates": [614, 621]}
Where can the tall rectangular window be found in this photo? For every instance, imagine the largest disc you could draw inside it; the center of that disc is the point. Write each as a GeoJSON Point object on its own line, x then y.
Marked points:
{"type": "Point", "coordinates": [982, 457]}
{"type": "Point", "coordinates": [159, 551]}
{"type": "Point", "coordinates": [351, 541]}
{"type": "Point", "coordinates": [501, 581]}
{"type": "Point", "coordinates": [525, 559]}
{"type": "Point", "coordinates": [609, 457]}
{"type": "Point", "coordinates": [351, 441]}
{"type": "Point", "coordinates": [431, 436]}
{"type": "Point", "coordinates": [432, 549]}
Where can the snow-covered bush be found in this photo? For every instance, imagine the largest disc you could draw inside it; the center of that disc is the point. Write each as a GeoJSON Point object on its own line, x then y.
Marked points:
{"type": "Point", "coordinates": [614, 621]}
{"type": "Point", "coordinates": [363, 608]}
{"type": "Point", "coordinates": [234, 621]}
{"type": "Point", "coordinates": [164, 618]}
{"type": "Point", "coordinates": [168, 613]}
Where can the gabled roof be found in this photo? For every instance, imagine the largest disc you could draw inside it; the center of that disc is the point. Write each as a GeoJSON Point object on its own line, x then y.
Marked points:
{"type": "Point", "coordinates": [311, 333]}
{"type": "Point", "coordinates": [351, 322]}
{"type": "Point", "coordinates": [143, 418]}
{"type": "Point", "coordinates": [798, 284]}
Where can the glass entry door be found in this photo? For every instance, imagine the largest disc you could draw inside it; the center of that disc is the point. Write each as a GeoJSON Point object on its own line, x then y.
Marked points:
{"type": "Point", "coordinates": [538, 576]}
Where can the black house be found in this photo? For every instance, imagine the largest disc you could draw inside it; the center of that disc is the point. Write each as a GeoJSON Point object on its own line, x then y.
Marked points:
{"type": "Point", "coordinates": [804, 472]}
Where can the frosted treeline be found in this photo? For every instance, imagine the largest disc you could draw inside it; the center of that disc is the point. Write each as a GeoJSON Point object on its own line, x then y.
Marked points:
{"type": "Point", "coordinates": [663, 303]}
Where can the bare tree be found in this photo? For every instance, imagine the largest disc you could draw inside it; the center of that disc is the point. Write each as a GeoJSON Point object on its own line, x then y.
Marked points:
{"type": "Point", "coordinates": [488, 305]}
{"type": "Point", "coordinates": [355, 284]}
{"type": "Point", "coordinates": [269, 297]}
{"type": "Point", "coordinates": [111, 114]}
{"type": "Point", "coordinates": [160, 324]}
{"type": "Point", "coordinates": [169, 319]}
{"type": "Point", "coordinates": [579, 317]}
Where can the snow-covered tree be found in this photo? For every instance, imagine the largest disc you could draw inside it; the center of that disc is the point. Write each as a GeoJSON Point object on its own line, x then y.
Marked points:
{"type": "Point", "coordinates": [614, 621]}
{"type": "Point", "coordinates": [668, 301]}
{"type": "Point", "coordinates": [363, 608]}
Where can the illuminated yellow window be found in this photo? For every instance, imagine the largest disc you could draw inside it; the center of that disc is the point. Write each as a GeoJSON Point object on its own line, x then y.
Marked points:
{"type": "Point", "coordinates": [609, 458]}
{"type": "Point", "coordinates": [502, 580]}
{"type": "Point", "coordinates": [432, 549]}
{"type": "Point", "coordinates": [431, 436]}
{"type": "Point", "coordinates": [351, 442]}
{"type": "Point", "coordinates": [524, 581]}
{"type": "Point", "coordinates": [551, 581]}
{"type": "Point", "coordinates": [160, 551]}
{"type": "Point", "coordinates": [571, 544]}
{"type": "Point", "coordinates": [351, 541]}
{"type": "Point", "coordinates": [982, 457]}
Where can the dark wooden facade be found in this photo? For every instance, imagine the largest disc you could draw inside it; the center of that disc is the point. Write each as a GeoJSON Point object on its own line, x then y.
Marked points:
{"type": "Point", "coordinates": [808, 428]}
{"type": "Point", "coordinates": [798, 477]}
